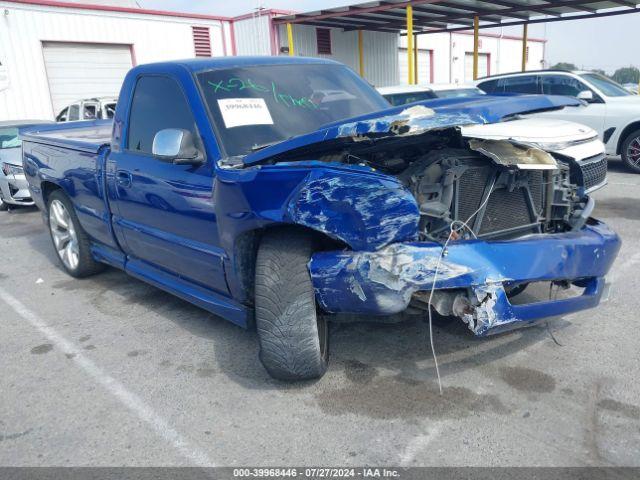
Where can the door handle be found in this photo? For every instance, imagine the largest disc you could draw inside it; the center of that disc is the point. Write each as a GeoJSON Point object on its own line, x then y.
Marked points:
{"type": "Point", "coordinates": [123, 178]}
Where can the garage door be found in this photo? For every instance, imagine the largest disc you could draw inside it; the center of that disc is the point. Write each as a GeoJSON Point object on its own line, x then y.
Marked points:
{"type": "Point", "coordinates": [483, 66]}
{"type": "Point", "coordinates": [424, 66]}
{"type": "Point", "coordinates": [84, 70]}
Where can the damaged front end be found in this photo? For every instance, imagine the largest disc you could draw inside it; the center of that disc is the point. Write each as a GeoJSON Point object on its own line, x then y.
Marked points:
{"type": "Point", "coordinates": [472, 279]}
{"type": "Point", "coordinates": [425, 210]}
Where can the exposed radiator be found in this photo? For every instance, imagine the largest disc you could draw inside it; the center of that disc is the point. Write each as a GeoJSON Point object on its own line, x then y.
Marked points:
{"type": "Point", "coordinates": [507, 213]}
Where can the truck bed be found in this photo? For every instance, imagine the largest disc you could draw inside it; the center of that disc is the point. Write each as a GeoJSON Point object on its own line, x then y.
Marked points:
{"type": "Point", "coordinates": [86, 136]}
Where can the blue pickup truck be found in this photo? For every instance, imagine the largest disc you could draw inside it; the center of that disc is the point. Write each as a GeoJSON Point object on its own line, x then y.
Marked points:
{"type": "Point", "coordinates": [282, 192]}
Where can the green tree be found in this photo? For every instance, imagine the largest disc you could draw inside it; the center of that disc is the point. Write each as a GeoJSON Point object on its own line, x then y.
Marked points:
{"type": "Point", "coordinates": [564, 66]}
{"type": "Point", "coordinates": [626, 75]}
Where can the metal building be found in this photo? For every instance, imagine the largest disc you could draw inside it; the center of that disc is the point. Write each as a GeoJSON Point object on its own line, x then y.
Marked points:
{"type": "Point", "coordinates": [414, 18]}
{"type": "Point", "coordinates": [441, 57]}
{"type": "Point", "coordinates": [53, 53]}
{"type": "Point", "coordinates": [447, 57]}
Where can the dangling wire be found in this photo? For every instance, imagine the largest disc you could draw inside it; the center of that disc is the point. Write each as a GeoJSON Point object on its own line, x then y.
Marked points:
{"type": "Point", "coordinates": [452, 231]}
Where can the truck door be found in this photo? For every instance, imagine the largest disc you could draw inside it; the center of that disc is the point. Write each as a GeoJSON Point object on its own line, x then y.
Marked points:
{"type": "Point", "coordinates": [163, 213]}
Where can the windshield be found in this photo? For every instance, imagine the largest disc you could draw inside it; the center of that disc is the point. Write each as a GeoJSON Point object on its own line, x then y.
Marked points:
{"type": "Point", "coordinates": [459, 92]}
{"type": "Point", "coordinates": [396, 99]}
{"type": "Point", "coordinates": [606, 86]}
{"type": "Point", "coordinates": [9, 138]}
{"type": "Point", "coordinates": [256, 106]}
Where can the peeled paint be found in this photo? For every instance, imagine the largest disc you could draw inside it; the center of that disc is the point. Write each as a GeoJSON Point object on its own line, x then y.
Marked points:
{"type": "Point", "coordinates": [410, 121]}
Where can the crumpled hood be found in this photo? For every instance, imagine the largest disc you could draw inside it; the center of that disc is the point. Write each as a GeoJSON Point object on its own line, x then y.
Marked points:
{"type": "Point", "coordinates": [418, 118]}
{"type": "Point", "coordinates": [496, 108]}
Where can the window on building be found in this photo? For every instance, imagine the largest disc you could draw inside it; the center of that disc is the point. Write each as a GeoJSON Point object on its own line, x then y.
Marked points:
{"type": "Point", "coordinates": [323, 39]}
{"type": "Point", "coordinates": [149, 115]}
{"type": "Point", "coordinates": [201, 41]}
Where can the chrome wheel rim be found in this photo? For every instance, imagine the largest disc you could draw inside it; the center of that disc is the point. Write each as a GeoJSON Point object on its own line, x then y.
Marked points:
{"type": "Point", "coordinates": [64, 235]}
{"type": "Point", "coordinates": [633, 152]}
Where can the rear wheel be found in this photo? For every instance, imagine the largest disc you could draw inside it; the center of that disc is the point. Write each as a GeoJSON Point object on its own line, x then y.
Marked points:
{"type": "Point", "coordinates": [294, 339]}
{"type": "Point", "coordinates": [69, 239]}
{"type": "Point", "coordinates": [631, 151]}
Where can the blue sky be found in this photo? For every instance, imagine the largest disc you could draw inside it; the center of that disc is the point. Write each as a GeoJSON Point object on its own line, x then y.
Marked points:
{"type": "Point", "coordinates": [606, 43]}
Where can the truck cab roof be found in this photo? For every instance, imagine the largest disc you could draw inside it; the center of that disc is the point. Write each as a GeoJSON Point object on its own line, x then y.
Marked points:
{"type": "Point", "coordinates": [202, 64]}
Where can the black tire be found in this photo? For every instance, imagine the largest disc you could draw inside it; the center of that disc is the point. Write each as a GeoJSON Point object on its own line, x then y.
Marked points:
{"type": "Point", "coordinates": [633, 137]}
{"type": "Point", "coordinates": [4, 206]}
{"type": "Point", "coordinates": [86, 264]}
{"type": "Point", "coordinates": [294, 339]}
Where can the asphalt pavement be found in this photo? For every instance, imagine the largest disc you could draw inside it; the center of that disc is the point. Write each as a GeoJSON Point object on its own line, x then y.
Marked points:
{"type": "Point", "coordinates": [110, 371]}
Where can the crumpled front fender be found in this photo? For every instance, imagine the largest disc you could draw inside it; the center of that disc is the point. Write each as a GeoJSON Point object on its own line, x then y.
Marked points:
{"type": "Point", "coordinates": [365, 211]}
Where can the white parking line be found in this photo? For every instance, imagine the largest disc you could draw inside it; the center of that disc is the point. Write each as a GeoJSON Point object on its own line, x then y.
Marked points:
{"type": "Point", "coordinates": [625, 184]}
{"type": "Point", "coordinates": [130, 400]}
{"type": "Point", "coordinates": [416, 445]}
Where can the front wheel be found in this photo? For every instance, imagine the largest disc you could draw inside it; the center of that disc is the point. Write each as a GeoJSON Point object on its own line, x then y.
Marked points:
{"type": "Point", "coordinates": [294, 339]}
{"type": "Point", "coordinates": [69, 239]}
{"type": "Point", "coordinates": [631, 151]}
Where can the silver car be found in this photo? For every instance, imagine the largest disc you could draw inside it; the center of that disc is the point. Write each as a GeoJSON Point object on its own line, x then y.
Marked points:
{"type": "Point", "coordinates": [13, 185]}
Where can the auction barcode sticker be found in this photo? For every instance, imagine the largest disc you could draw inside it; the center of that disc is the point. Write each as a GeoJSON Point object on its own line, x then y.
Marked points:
{"type": "Point", "coordinates": [237, 112]}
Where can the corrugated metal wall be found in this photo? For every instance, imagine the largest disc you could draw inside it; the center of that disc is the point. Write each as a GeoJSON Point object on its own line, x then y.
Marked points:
{"type": "Point", "coordinates": [449, 52]}
{"type": "Point", "coordinates": [23, 28]}
{"type": "Point", "coordinates": [253, 35]}
{"type": "Point", "coordinates": [380, 51]}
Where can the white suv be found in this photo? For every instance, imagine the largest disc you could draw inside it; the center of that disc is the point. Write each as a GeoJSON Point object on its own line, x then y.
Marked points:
{"type": "Point", "coordinates": [608, 107]}
{"type": "Point", "coordinates": [569, 142]}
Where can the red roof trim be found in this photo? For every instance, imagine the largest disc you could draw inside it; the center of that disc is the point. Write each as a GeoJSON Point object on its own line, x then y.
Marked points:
{"type": "Point", "coordinates": [271, 12]}
{"type": "Point", "coordinates": [109, 8]}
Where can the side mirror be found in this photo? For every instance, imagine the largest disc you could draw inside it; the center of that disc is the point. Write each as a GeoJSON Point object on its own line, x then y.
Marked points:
{"type": "Point", "coordinates": [176, 145]}
{"type": "Point", "coordinates": [586, 95]}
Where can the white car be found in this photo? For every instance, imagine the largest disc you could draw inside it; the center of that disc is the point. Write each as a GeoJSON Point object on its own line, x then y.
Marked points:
{"type": "Point", "coordinates": [608, 108]}
{"type": "Point", "coordinates": [401, 94]}
{"type": "Point", "coordinates": [563, 139]}
{"type": "Point", "coordinates": [14, 189]}
{"type": "Point", "coordinates": [102, 108]}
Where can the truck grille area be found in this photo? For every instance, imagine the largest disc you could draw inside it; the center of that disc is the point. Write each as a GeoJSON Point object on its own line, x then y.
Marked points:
{"type": "Point", "coordinates": [472, 197]}
{"type": "Point", "coordinates": [511, 210]}
{"type": "Point", "coordinates": [506, 210]}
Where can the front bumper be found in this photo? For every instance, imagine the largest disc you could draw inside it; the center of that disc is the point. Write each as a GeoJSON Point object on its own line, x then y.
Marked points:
{"type": "Point", "coordinates": [14, 190]}
{"type": "Point", "coordinates": [383, 282]}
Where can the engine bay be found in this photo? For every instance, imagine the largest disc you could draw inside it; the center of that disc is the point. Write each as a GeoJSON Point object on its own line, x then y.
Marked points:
{"type": "Point", "coordinates": [468, 193]}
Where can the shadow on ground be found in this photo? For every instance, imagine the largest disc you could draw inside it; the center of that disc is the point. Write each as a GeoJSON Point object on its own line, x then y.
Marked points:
{"type": "Point", "coordinates": [377, 370]}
